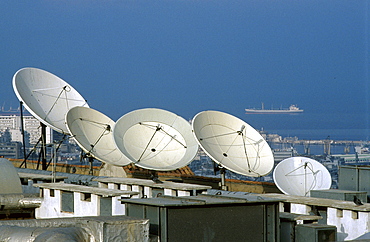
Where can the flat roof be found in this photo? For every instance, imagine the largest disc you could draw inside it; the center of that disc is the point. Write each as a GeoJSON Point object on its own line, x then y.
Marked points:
{"type": "Point", "coordinates": [201, 199]}
{"type": "Point", "coordinates": [150, 183]}
{"type": "Point", "coordinates": [295, 217]}
{"type": "Point", "coordinates": [105, 192]}
{"type": "Point", "coordinates": [338, 191]}
{"type": "Point", "coordinates": [40, 177]}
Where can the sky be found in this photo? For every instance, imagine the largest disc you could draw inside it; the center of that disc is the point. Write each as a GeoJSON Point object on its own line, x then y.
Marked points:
{"type": "Point", "coordinates": [188, 56]}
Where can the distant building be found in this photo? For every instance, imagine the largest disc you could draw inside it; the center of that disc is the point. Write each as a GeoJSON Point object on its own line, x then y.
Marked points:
{"type": "Point", "coordinates": [13, 124]}
{"type": "Point", "coordinates": [273, 138]}
{"type": "Point", "coordinates": [11, 150]}
{"type": "Point", "coordinates": [11, 140]}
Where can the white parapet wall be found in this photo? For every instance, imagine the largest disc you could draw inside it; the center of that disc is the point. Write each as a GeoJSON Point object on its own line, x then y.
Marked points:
{"type": "Point", "coordinates": [68, 200]}
{"type": "Point", "coordinates": [299, 208]}
{"type": "Point", "coordinates": [148, 188]}
{"type": "Point", "coordinates": [51, 205]}
{"type": "Point", "coordinates": [86, 206]}
{"type": "Point", "coordinates": [351, 220]}
{"type": "Point", "coordinates": [350, 224]}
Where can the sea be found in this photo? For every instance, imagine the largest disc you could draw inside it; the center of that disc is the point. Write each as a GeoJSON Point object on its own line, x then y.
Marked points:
{"type": "Point", "coordinates": [315, 126]}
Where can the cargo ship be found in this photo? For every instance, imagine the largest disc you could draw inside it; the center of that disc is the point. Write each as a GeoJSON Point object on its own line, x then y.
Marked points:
{"type": "Point", "coordinates": [293, 109]}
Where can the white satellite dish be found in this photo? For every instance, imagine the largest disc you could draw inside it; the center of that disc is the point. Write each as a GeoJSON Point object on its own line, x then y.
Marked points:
{"type": "Point", "coordinates": [93, 132]}
{"type": "Point", "coordinates": [232, 143]}
{"type": "Point", "coordinates": [298, 175]}
{"type": "Point", "coordinates": [155, 139]}
{"type": "Point", "coordinates": [47, 97]}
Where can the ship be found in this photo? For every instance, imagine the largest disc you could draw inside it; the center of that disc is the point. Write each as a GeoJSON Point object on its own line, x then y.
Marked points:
{"type": "Point", "coordinates": [293, 109]}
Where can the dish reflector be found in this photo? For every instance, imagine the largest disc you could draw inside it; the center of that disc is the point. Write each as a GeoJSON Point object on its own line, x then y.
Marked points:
{"type": "Point", "coordinates": [298, 175]}
{"type": "Point", "coordinates": [47, 97]}
{"type": "Point", "coordinates": [93, 132]}
{"type": "Point", "coordinates": [155, 139]}
{"type": "Point", "coordinates": [232, 143]}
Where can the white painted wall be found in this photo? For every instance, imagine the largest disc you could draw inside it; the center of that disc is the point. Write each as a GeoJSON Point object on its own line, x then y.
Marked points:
{"type": "Point", "coordinates": [137, 188]}
{"type": "Point", "coordinates": [84, 208]}
{"type": "Point", "coordinates": [117, 207]}
{"type": "Point", "coordinates": [51, 207]}
{"type": "Point", "coordinates": [181, 193]}
{"type": "Point", "coordinates": [350, 224]}
{"type": "Point", "coordinates": [169, 192]}
{"type": "Point", "coordinates": [299, 208]}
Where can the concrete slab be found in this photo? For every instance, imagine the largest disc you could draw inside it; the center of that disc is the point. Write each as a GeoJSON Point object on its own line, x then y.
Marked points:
{"type": "Point", "coordinates": [150, 183]}
{"type": "Point", "coordinates": [104, 192]}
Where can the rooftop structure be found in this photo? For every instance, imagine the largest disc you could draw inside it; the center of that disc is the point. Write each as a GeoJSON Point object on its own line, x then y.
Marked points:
{"type": "Point", "coordinates": [69, 200]}
{"type": "Point", "coordinates": [289, 218]}
{"type": "Point", "coordinates": [208, 217]}
{"type": "Point", "coordinates": [149, 188]}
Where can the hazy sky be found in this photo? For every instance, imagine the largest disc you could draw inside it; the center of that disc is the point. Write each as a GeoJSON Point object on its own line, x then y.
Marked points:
{"type": "Point", "coordinates": [187, 56]}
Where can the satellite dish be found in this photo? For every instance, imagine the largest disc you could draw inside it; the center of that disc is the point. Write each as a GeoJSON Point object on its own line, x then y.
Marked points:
{"type": "Point", "coordinates": [93, 132]}
{"type": "Point", "coordinates": [298, 175]}
{"type": "Point", "coordinates": [155, 139]}
{"type": "Point", "coordinates": [47, 97]}
{"type": "Point", "coordinates": [232, 143]}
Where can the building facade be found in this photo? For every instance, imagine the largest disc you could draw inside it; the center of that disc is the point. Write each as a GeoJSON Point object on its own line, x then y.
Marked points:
{"type": "Point", "coordinates": [13, 124]}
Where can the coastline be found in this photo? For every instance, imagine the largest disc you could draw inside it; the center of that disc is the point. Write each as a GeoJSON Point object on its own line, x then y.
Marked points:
{"type": "Point", "coordinates": [321, 134]}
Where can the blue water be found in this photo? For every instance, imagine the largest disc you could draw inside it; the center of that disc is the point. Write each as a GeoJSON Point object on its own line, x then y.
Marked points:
{"type": "Point", "coordinates": [314, 126]}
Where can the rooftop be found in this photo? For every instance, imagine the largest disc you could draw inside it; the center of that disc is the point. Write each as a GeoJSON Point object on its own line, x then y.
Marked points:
{"type": "Point", "coordinates": [85, 189]}
{"type": "Point", "coordinates": [145, 182]}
